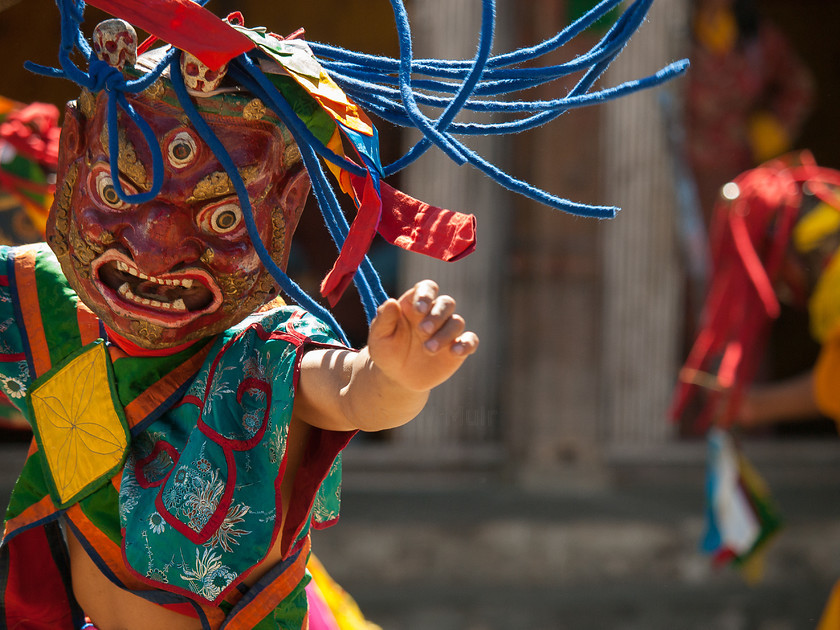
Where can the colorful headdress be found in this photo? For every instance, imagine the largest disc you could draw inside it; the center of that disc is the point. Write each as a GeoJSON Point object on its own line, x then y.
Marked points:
{"type": "Point", "coordinates": [318, 92]}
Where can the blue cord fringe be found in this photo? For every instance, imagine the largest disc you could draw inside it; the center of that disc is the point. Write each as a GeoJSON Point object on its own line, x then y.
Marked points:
{"type": "Point", "coordinates": [393, 89]}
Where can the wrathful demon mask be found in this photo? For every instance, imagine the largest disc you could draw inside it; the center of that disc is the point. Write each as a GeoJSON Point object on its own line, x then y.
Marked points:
{"type": "Point", "coordinates": [180, 266]}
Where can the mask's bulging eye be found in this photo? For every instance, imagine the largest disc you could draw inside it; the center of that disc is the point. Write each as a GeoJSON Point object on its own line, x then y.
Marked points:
{"type": "Point", "coordinates": [106, 193]}
{"type": "Point", "coordinates": [182, 150]}
{"type": "Point", "coordinates": [221, 219]}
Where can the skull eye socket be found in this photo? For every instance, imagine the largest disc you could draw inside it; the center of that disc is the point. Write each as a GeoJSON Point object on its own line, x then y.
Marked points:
{"type": "Point", "coordinates": [182, 150]}
{"type": "Point", "coordinates": [221, 219]}
{"type": "Point", "coordinates": [105, 193]}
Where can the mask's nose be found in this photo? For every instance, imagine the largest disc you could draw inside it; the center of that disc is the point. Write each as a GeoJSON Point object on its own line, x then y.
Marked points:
{"type": "Point", "coordinates": [161, 236]}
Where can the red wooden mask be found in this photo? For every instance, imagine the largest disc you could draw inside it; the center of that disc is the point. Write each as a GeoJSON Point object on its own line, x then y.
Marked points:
{"type": "Point", "coordinates": [182, 266]}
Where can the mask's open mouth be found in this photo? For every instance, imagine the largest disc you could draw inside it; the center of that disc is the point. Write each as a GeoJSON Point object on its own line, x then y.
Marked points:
{"type": "Point", "coordinates": [172, 299]}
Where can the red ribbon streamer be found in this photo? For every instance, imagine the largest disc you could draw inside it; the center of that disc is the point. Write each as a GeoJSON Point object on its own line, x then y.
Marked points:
{"type": "Point", "coordinates": [358, 240]}
{"type": "Point", "coordinates": [185, 25]}
{"type": "Point", "coordinates": [403, 221]}
{"type": "Point", "coordinates": [418, 227]}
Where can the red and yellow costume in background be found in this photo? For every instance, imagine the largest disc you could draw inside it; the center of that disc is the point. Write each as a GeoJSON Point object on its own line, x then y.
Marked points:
{"type": "Point", "coordinates": [776, 233]}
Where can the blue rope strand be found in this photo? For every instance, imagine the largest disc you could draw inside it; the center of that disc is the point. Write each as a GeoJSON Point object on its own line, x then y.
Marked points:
{"type": "Point", "coordinates": [433, 66]}
{"type": "Point", "coordinates": [287, 284]}
{"type": "Point", "coordinates": [519, 79]}
{"type": "Point", "coordinates": [367, 280]}
{"type": "Point", "coordinates": [441, 140]}
{"type": "Point", "coordinates": [567, 102]}
{"type": "Point", "coordinates": [115, 98]}
{"type": "Point", "coordinates": [503, 81]}
{"type": "Point", "coordinates": [368, 283]}
{"type": "Point", "coordinates": [488, 22]}
{"type": "Point", "coordinates": [244, 71]}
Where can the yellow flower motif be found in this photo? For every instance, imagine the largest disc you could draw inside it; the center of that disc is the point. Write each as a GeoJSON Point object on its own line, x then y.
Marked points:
{"type": "Point", "coordinates": [82, 435]}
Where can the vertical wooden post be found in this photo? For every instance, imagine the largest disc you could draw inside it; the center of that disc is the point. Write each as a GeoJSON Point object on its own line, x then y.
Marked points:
{"type": "Point", "coordinates": [551, 402]}
{"type": "Point", "coordinates": [463, 413]}
{"type": "Point", "coordinates": [643, 279]}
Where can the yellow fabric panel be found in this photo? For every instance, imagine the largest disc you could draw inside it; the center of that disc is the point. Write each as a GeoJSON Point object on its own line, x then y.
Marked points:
{"type": "Point", "coordinates": [824, 305]}
{"type": "Point", "coordinates": [717, 30]}
{"type": "Point", "coordinates": [82, 435]}
{"type": "Point", "coordinates": [827, 379]}
{"type": "Point", "coordinates": [767, 136]}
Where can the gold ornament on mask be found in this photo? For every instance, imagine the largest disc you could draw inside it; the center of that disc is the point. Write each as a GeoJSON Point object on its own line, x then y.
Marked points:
{"type": "Point", "coordinates": [127, 160]}
{"type": "Point", "coordinates": [254, 110]}
{"type": "Point", "coordinates": [61, 208]}
{"type": "Point", "coordinates": [219, 184]}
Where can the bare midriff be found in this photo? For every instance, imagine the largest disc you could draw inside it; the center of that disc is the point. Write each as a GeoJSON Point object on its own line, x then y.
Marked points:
{"type": "Point", "coordinates": [113, 608]}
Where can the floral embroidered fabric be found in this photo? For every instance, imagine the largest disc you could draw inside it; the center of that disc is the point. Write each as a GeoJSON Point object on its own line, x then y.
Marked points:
{"type": "Point", "coordinates": [200, 492]}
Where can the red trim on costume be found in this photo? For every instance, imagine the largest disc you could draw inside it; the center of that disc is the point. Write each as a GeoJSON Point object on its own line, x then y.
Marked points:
{"type": "Point", "coordinates": [240, 445]}
{"type": "Point", "coordinates": [133, 350]}
{"type": "Point", "coordinates": [160, 447]}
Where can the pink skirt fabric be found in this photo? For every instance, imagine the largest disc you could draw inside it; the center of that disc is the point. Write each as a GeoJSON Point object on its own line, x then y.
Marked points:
{"type": "Point", "coordinates": [320, 615]}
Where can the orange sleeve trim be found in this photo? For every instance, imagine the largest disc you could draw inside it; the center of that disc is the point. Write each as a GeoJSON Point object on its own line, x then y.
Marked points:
{"type": "Point", "coordinates": [139, 409]}
{"type": "Point", "coordinates": [271, 596]}
{"type": "Point", "coordinates": [33, 513]}
{"type": "Point", "coordinates": [31, 309]}
{"type": "Point", "coordinates": [109, 552]}
{"type": "Point", "coordinates": [88, 324]}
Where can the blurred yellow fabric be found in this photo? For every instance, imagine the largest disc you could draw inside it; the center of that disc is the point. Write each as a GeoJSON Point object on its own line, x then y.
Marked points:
{"type": "Point", "coordinates": [824, 304]}
{"type": "Point", "coordinates": [826, 373]}
{"type": "Point", "coordinates": [717, 31]}
{"type": "Point", "coordinates": [809, 232]}
{"type": "Point", "coordinates": [344, 608]}
{"type": "Point", "coordinates": [767, 136]}
{"type": "Point", "coordinates": [830, 619]}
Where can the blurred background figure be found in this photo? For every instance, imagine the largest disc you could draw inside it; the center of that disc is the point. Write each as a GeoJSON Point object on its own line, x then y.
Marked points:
{"type": "Point", "coordinates": [28, 159]}
{"type": "Point", "coordinates": [775, 238]}
{"type": "Point", "coordinates": [748, 94]}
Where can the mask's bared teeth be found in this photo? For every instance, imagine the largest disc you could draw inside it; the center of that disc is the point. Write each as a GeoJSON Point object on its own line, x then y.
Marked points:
{"type": "Point", "coordinates": [178, 305]}
{"type": "Point", "coordinates": [186, 283]}
{"type": "Point", "coordinates": [124, 289]}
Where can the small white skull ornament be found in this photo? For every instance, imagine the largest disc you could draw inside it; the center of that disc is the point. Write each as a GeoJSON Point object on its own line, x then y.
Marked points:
{"type": "Point", "coordinates": [198, 77]}
{"type": "Point", "coordinates": [115, 43]}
